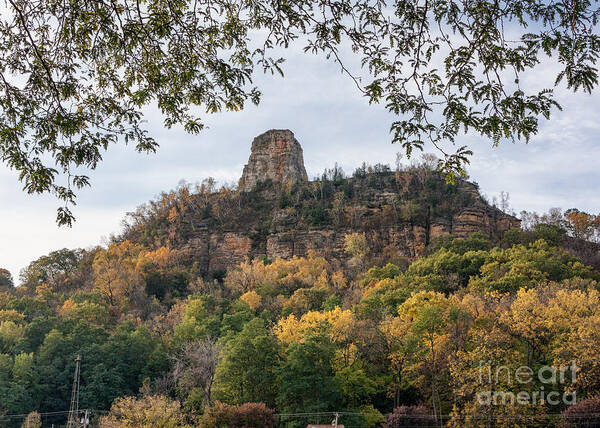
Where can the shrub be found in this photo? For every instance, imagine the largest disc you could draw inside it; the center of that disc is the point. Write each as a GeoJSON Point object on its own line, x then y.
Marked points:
{"type": "Point", "coordinates": [33, 420]}
{"type": "Point", "coordinates": [409, 416]}
{"type": "Point", "coordinates": [584, 414]}
{"type": "Point", "coordinates": [247, 415]}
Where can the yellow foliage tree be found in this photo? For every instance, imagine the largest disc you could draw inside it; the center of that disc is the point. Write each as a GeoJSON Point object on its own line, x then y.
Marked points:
{"type": "Point", "coordinates": [162, 258]}
{"type": "Point", "coordinates": [339, 325]}
{"type": "Point", "coordinates": [582, 225]}
{"type": "Point", "coordinates": [92, 312]}
{"type": "Point", "coordinates": [116, 275]}
{"type": "Point", "coordinates": [154, 411]}
{"type": "Point", "coordinates": [281, 276]}
{"type": "Point", "coordinates": [33, 420]}
{"type": "Point", "coordinates": [253, 299]}
{"type": "Point", "coordinates": [11, 315]}
{"type": "Point", "coordinates": [356, 244]}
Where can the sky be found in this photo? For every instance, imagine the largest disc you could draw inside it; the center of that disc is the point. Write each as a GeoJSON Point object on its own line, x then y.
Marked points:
{"type": "Point", "coordinates": [334, 123]}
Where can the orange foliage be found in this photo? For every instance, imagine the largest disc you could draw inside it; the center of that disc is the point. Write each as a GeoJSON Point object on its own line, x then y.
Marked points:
{"type": "Point", "coordinates": [582, 225]}
{"type": "Point", "coordinates": [116, 273]}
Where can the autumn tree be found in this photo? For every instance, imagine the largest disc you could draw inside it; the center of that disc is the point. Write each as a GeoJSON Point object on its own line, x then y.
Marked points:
{"type": "Point", "coordinates": [33, 420]}
{"type": "Point", "coordinates": [475, 378]}
{"type": "Point", "coordinates": [356, 245]}
{"type": "Point", "coordinates": [89, 307]}
{"type": "Point", "coordinates": [410, 416]}
{"type": "Point", "coordinates": [401, 348]}
{"type": "Point", "coordinates": [252, 299]}
{"type": "Point", "coordinates": [6, 280]}
{"type": "Point", "coordinates": [299, 335]}
{"type": "Point", "coordinates": [195, 366]}
{"type": "Point", "coordinates": [163, 274]}
{"type": "Point", "coordinates": [248, 415]}
{"type": "Point", "coordinates": [582, 225]}
{"type": "Point", "coordinates": [151, 411]}
{"type": "Point", "coordinates": [578, 224]}
{"type": "Point", "coordinates": [281, 276]}
{"type": "Point", "coordinates": [116, 274]}
{"type": "Point", "coordinates": [572, 318]}
{"type": "Point", "coordinates": [338, 325]}
{"type": "Point", "coordinates": [429, 316]}
{"type": "Point", "coordinates": [585, 414]}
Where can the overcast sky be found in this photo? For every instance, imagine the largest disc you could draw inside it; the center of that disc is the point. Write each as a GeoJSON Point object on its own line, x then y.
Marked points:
{"type": "Point", "coordinates": [334, 123]}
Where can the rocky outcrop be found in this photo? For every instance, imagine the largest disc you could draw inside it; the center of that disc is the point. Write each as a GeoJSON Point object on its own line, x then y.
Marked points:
{"type": "Point", "coordinates": [276, 155]}
{"type": "Point", "coordinates": [478, 219]}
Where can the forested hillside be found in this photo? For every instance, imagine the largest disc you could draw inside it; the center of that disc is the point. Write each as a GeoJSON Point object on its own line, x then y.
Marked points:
{"type": "Point", "coordinates": [362, 327]}
{"type": "Point", "coordinates": [400, 212]}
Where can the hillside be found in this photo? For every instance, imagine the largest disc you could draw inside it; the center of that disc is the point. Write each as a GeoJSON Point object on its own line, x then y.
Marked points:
{"type": "Point", "coordinates": [372, 298]}
{"type": "Point", "coordinates": [277, 213]}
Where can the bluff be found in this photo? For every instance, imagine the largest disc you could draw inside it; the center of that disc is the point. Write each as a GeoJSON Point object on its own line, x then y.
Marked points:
{"type": "Point", "coordinates": [277, 212]}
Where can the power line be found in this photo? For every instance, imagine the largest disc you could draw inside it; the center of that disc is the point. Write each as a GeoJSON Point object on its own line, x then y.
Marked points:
{"type": "Point", "coordinates": [45, 414]}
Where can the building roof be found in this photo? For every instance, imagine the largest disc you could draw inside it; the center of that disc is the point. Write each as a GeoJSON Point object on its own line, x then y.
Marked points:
{"type": "Point", "coordinates": [324, 426]}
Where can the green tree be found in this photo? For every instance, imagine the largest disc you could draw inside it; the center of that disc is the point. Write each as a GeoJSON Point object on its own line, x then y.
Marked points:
{"type": "Point", "coordinates": [527, 266]}
{"type": "Point", "coordinates": [11, 334]}
{"type": "Point", "coordinates": [24, 391]}
{"type": "Point", "coordinates": [114, 363]}
{"type": "Point", "coordinates": [307, 382]}
{"type": "Point", "coordinates": [356, 386]}
{"type": "Point", "coordinates": [202, 318]}
{"type": "Point", "coordinates": [56, 269]}
{"type": "Point", "coordinates": [247, 371]}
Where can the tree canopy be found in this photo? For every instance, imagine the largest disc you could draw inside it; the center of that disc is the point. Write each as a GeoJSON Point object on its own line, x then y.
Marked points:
{"type": "Point", "coordinates": [76, 76]}
{"type": "Point", "coordinates": [274, 342]}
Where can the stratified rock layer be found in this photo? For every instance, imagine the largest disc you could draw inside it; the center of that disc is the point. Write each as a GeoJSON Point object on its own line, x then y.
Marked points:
{"type": "Point", "coordinates": [276, 155]}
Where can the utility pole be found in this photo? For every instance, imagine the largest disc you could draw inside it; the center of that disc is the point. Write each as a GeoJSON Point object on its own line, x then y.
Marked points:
{"type": "Point", "coordinates": [85, 421]}
{"type": "Point", "coordinates": [73, 421]}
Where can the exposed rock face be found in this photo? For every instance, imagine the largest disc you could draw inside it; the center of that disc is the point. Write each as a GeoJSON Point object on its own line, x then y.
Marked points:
{"type": "Point", "coordinates": [217, 251]}
{"type": "Point", "coordinates": [276, 155]}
